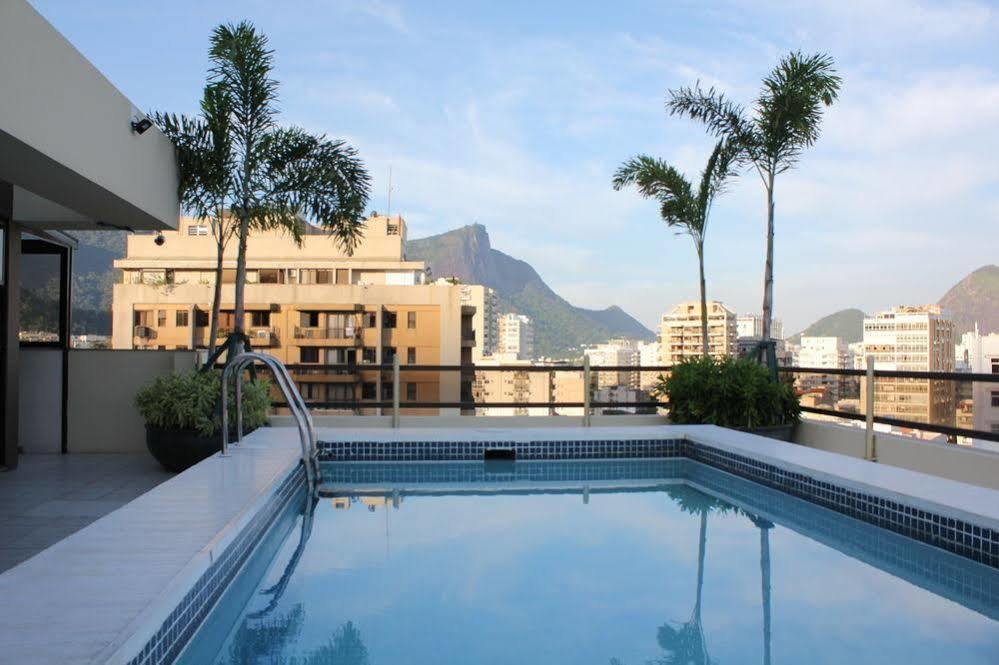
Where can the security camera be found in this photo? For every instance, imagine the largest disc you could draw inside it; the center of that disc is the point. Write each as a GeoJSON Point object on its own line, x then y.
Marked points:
{"type": "Point", "coordinates": [140, 126]}
{"type": "Point", "coordinates": [159, 240]}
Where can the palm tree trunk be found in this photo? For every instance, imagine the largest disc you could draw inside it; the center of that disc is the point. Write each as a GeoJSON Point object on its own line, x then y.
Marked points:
{"type": "Point", "coordinates": [213, 331]}
{"type": "Point", "coordinates": [240, 305]}
{"type": "Point", "coordinates": [768, 271]}
{"type": "Point", "coordinates": [704, 301]}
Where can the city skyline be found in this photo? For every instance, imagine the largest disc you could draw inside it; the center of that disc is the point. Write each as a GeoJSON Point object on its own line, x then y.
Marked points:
{"type": "Point", "coordinates": [522, 133]}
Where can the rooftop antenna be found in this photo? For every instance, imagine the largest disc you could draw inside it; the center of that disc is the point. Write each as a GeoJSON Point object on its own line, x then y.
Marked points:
{"type": "Point", "coordinates": [390, 192]}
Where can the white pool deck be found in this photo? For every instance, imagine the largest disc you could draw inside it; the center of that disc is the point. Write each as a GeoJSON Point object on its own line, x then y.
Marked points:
{"type": "Point", "coordinates": [95, 596]}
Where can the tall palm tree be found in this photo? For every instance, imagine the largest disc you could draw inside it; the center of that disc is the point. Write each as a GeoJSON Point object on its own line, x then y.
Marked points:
{"type": "Point", "coordinates": [764, 526]}
{"type": "Point", "coordinates": [274, 177]}
{"type": "Point", "coordinates": [785, 120]}
{"type": "Point", "coordinates": [679, 205]}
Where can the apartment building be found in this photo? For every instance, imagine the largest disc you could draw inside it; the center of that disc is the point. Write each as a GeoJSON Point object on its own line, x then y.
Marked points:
{"type": "Point", "coordinates": [648, 356]}
{"type": "Point", "coordinates": [515, 339]}
{"type": "Point", "coordinates": [306, 304]}
{"type": "Point", "coordinates": [751, 326]}
{"type": "Point", "coordinates": [485, 324]}
{"type": "Point", "coordinates": [979, 354]}
{"type": "Point", "coordinates": [826, 352]}
{"type": "Point", "coordinates": [680, 332]}
{"type": "Point", "coordinates": [915, 339]}
{"type": "Point", "coordinates": [615, 353]}
{"type": "Point", "coordinates": [506, 387]}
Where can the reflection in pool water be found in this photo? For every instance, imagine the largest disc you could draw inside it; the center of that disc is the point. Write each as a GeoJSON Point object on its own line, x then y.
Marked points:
{"type": "Point", "coordinates": [603, 568]}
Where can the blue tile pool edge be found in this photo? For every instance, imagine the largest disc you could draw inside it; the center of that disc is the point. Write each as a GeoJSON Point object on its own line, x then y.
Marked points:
{"type": "Point", "coordinates": [177, 629]}
{"type": "Point", "coordinates": [959, 536]}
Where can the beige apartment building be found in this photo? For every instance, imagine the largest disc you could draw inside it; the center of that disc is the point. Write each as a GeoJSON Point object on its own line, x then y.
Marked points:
{"type": "Point", "coordinates": [680, 332]}
{"type": "Point", "coordinates": [307, 304]}
{"type": "Point", "coordinates": [615, 353]}
{"type": "Point", "coordinates": [912, 339]}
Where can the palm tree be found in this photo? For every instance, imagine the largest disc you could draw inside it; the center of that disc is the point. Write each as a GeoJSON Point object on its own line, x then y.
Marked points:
{"type": "Point", "coordinates": [679, 206]}
{"type": "Point", "coordinates": [273, 176]}
{"type": "Point", "coordinates": [764, 526]}
{"type": "Point", "coordinates": [784, 121]}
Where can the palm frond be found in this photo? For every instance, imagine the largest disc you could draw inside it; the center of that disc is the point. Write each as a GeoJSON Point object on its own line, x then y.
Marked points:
{"type": "Point", "coordinates": [721, 116]}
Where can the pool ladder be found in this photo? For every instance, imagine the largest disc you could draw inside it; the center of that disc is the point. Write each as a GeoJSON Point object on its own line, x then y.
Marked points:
{"type": "Point", "coordinates": [299, 411]}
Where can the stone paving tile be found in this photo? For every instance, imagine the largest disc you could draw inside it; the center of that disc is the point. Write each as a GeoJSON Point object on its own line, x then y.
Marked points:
{"type": "Point", "coordinates": [49, 497]}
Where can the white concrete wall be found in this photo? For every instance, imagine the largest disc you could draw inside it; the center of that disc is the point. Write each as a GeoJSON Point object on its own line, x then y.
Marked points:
{"type": "Point", "coordinates": [65, 132]}
{"type": "Point", "coordinates": [40, 405]}
{"type": "Point", "coordinates": [967, 465]}
{"type": "Point", "coordinates": [102, 387]}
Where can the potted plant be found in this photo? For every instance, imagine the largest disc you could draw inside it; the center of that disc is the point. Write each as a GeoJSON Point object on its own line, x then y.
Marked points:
{"type": "Point", "coordinates": [731, 392]}
{"type": "Point", "coordinates": [183, 425]}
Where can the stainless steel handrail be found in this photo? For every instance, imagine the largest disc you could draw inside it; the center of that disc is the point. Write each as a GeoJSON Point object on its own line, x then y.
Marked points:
{"type": "Point", "coordinates": [293, 398]}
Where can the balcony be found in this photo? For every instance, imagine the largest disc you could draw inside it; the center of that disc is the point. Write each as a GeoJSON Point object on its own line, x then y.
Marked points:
{"type": "Point", "coordinates": [320, 336]}
{"type": "Point", "coordinates": [468, 338]}
{"type": "Point", "coordinates": [306, 373]}
{"type": "Point", "coordinates": [263, 337]}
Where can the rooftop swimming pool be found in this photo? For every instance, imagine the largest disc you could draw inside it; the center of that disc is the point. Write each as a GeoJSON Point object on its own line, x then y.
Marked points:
{"type": "Point", "coordinates": [612, 562]}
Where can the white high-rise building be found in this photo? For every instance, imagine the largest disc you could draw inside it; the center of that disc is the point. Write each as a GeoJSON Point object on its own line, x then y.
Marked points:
{"type": "Point", "coordinates": [825, 352]}
{"type": "Point", "coordinates": [648, 356]}
{"type": "Point", "coordinates": [615, 353]}
{"type": "Point", "coordinates": [751, 325]}
{"type": "Point", "coordinates": [515, 340]}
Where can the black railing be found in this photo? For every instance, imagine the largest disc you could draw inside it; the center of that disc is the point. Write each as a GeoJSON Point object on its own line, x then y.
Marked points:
{"type": "Point", "coordinates": [468, 372]}
{"type": "Point", "coordinates": [937, 428]}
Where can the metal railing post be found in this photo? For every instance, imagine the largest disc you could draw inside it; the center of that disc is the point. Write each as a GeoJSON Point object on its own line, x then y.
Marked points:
{"type": "Point", "coordinates": [586, 391]}
{"type": "Point", "coordinates": [395, 391]}
{"type": "Point", "coordinates": [869, 450]}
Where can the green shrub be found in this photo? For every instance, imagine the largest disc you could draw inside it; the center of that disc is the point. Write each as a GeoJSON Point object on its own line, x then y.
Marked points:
{"type": "Point", "coordinates": [732, 392]}
{"type": "Point", "coordinates": [189, 400]}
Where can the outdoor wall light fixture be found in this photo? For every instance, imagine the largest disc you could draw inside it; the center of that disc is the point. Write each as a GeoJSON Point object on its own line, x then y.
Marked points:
{"type": "Point", "coordinates": [159, 240]}
{"type": "Point", "coordinates": [140, 126]}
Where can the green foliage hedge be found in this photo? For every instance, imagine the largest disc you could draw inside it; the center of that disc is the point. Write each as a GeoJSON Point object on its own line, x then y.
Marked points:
{"type": "Point", "coordinates": [188, 401]}
{"type": "Point", "coordinates": [731, 392]}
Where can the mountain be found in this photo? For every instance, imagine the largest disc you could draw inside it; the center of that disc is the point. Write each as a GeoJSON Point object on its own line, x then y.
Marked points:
{"type": "Point", "coordinates": [847, 324]}
{"type": "Point", "coordinates": [560, 327]}
{"type": "Point", "coordinates": [93, 278]}
{"type": "Point", "coordinates": [975, 299]}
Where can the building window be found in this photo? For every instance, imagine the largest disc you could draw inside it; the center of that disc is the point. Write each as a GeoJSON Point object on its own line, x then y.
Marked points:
{"type": "Point", "coordinates": [388, 320]}
{"type": "Point", "coordinates": [228, 276]}
{"type": "Point", "coordinates": [995, 365]}
{"type": "Point", "coordinates": [140, 318]}
{"type": "Point", "coordinates": [161, 318]}
{"type": "Point", "coordinates": [310, 354]}
{"type": "Point", "coordinates": [411, 320]}
{"type": "Point", "coordinates": [410, 392]}
{"type": "Point", "coordinates": [411, 356]}
{"type": "Point", "coordinates": [995, 398]}
{"type": "Point", "coordinates": [994, 428]}
{"type": "Point", "coordinates": [270, 276]}
{"type": "Point", "coordinates": [370, 320]}
{"type": "Point", "coordinates": [342, 276]}
{"type": "Point", "coordinates": [368, 356]}
{"type": "Point", "coordinates": [200, 317]}
{"type": "Point", "coordinates": [197, 230]}
{"type": "Point", "coordinates": [368, 390]}
{"type": "Point", "coordinates": [182, 318]}
{"type": "Point", "coordinates": [260, 319]}
{"type": "Point", "coordinates": [324, 277]}
{"type": "Point", "coordinates": [388, 355]}
{"type": "Point", "coordinates": [387, 390]}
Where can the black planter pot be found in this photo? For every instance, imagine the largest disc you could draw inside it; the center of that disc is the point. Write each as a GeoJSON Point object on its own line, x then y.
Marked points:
{"type": "Point", "coordinates": [178, 450]}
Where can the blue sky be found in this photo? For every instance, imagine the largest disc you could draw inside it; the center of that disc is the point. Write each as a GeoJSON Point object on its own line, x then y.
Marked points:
{"type": "Point", "coordinates": [515, 115]}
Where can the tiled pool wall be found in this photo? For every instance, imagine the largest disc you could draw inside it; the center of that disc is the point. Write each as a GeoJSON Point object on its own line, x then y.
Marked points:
{"type": "Point", "coordinates": [181, 624]}
{"type": "Point", "coordinates": [963, 538]}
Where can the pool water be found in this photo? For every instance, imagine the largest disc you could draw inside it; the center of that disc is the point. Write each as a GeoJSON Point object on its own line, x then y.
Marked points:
{"type": "Point", "coordinates": [611, 563]}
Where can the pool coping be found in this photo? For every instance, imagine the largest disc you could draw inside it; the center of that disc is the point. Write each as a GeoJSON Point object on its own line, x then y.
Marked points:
{"type": "Point", "coordinates": [90, 598]}
{"type": "Point", "coordinates": [97, 595]}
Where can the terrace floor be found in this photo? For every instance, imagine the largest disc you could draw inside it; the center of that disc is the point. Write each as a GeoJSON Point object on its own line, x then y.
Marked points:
{"type": "Point", "coordinates": [49, 497]}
